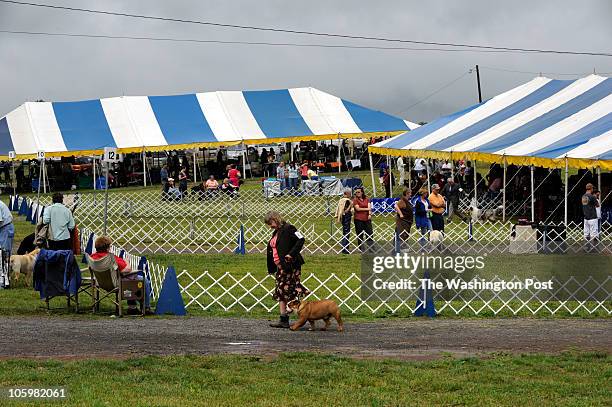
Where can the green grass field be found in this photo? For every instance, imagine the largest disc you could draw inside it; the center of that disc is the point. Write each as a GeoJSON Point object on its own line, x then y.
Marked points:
{"type": "Point", "coordinates": [301, 379]}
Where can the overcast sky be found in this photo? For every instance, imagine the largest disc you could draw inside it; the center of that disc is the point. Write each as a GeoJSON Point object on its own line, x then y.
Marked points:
{"type": "Point", "coordinates": [60, 68]}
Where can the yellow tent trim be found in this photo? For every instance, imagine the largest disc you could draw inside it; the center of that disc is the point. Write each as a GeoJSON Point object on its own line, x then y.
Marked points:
{"type": "Point", "coordinates": [86, 153]}
{"type": "Point", "coordinates": [581, 163]}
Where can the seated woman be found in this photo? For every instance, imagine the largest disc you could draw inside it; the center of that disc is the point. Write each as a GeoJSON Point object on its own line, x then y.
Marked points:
{"type": "Point", "coordinates": [212, 186]}
{"type": "Point", "coordinates": [173, 192]}
{"type": "Point", "coordinates": [102, 245]}
{"type": "Point", "coordinates": [228, 188]}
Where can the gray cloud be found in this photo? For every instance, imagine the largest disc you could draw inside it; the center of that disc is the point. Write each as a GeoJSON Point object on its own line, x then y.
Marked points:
{"type": "Point", "coordinates": [56, 68]}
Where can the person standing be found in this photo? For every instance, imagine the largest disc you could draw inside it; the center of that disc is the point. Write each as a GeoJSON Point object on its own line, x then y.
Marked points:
{"type": "Point", "coordinates": [363, 220]}
{"type": "Point", "coordinates": [438, 206]}
{"type": "Point", "coordinates": [404, 217]}
{"type": "Point", "coordinates": [304, 170]}
{"type": "Point", "coordinates": [293, 176]}
{"type": "Point", "coordinates": [589, 210]}
{"type": "Point", "coordinates": [234, 176]}
{"type": "Point", "coordinates": [401, 169]}
{"type": "Point", "coordinates": [284, 261]}
{"type": "Point", "coordinates": [164, 177]}
{"type": "Point", "coordinates": [280, 174]}
{"type": "Point", "coordinates": [7, 229]}
{"type": "Point", "coordinates": [60, 220]}
{"type": "Point", "coordinates": [388, 182]}
{"type": "Point", "coordinates": [183, 181]}
{"type": "Point", "coordinates": [451, 193]}
{"type": "Point", "coordinates": [422, 212]}
{"type": "Point", "coordinates": [344, 213]}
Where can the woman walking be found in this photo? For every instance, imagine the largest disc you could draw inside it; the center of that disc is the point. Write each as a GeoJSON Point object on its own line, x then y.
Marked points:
{"type": "Point", "coordinates": [285, 263]}
{"type": "Point", "coordinates": [404, 218]}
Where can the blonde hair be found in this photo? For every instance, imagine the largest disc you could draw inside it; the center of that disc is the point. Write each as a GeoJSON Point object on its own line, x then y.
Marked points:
{"type": "Point", "coordinates": [273, 216]}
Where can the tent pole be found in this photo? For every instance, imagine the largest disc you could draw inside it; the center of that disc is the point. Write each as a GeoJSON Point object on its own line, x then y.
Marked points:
{"type": "Point", "coordinates": [106, 165]}
{"type": "Point", "coordinates": [475, 182]}
{"type": "Point", "coordinates": [566, 192]}
{"type": "Point", "coordinates": [452, 164]}
{"type": "Point", "coordinates": [428, 179]}
{"type": "Point", "coordinates": [94, 173]}
{"type": "Point", "coordinates": [195, 166]}
{"type": "Point", "coordinates": [532, 196]}
{"type": "Point", "coordinates": [372, 175]}
{"type": "Point", "coordinates": [504, 192]}
{"type": "Point", "coordinates": [40, 175]}
{"type": "Point", "coordinates": [144, 167]}
{"type": "Point", "coordinates": [14, 179]}
{"type": "Point", "coordinates": [44, 174]}
{"type": "Point", "coordinates": [339, 152]}
{"type": "Point", "coordinates": [244, 161]}
{"type": "Point", "coordinates": [599, 180]}
{"type": "Point", "coordinates": [409, 172]}
{"type": "Point", "coordinates": [291, 152]}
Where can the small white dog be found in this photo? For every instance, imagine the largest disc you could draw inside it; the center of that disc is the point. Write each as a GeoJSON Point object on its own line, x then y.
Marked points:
{"type": "Point", "coordinates": [24, 264]}
{"type": "Point", "coordinates": [436, 237]}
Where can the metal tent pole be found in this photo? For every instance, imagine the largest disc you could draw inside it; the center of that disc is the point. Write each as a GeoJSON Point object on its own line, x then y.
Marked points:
{"type": "Point", "coordinates": [409, 172]}
{"type": "Point", "coordinates": [532, 196]}
{"type": "Point", "coordinates": [195, 166]}
{"type": "Point", "coordinates": [244, 161]}
{"type": "Point", "coordinates": [428, 179]}
{"type": "Point", "coordinates": [144, 167]}
{"type": "Point", "coordinates": [599, 179]}
{"type": "Point", "coordinates": [14, 179]}
{"type": "Point", "coordinates": [475, 182]}
{"type": "Point", "coordinates": [566, 192]}
{"type": "Point", "coordinates": [44, 174]}
{"type": "Point", "coordinates": [372, 175]}
{"type": "Point", "coordinates": [94, 173]}
{"type": "Point", "coordinates": [504, 192]}
{"type": "Point", "coordinates": [106, 164]}
{"type": "Point", "coordinates": [339, 157]}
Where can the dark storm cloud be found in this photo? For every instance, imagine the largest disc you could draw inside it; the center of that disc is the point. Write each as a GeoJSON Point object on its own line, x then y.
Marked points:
{"type": "Point", "coordinates": [56, 68]}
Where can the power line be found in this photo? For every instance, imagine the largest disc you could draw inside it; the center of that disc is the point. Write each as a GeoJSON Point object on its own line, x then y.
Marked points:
{"type": "Point", "coordinates": [285, 44]}
{"type": "Point", "coordinates": [435, 92]}
{"type": "Point", "coordinates": [313, 33]}
{"type": "Point", "coordinates": [492, 68]}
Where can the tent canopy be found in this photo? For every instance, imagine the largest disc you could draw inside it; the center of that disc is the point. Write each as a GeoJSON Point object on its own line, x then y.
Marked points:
{"type": "Point", "coordinates": [541, 122]}
{"type": "Point", "coordinates": [155, 123]}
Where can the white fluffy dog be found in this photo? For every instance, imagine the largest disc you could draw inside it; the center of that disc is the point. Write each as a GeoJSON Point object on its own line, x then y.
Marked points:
{"type": "Point", "coordinates": [436, 237]}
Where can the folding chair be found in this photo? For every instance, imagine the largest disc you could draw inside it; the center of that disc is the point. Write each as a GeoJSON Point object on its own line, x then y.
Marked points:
{"type": "Point", "coordinates": [106, 276]}
{"type": "Point", "coordinates": [56, 273]}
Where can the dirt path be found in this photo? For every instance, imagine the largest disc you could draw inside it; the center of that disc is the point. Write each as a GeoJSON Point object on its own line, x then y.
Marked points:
{"type": "Point", "coordinates": [47, 337]}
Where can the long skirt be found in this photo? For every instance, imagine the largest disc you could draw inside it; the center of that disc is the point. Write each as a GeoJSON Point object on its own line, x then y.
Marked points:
{"type": "Point", "coordinates": [288, 285]}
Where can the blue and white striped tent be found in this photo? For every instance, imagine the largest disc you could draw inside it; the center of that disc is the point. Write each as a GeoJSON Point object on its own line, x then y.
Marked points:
{"type": "Point", "coordinates": [154, 123]}
{"type": "Point", "coordinates": [543, 122]}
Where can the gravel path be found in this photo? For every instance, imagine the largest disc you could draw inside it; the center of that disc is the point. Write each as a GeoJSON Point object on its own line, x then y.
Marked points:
{"type": "Point", "coordinates": [47, 337]}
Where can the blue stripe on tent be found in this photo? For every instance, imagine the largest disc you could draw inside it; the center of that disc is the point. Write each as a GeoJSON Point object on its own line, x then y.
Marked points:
{"type": "Point", "coordinates": [6, 143]}
{"type": "Point", "coordinates": [276, 114]}
{"type": "Point", "coordinates": [372, 120]}
{"type": "Point", "coordinates": [414, 135]}
{"type": "Point", "coordinates": [528, 101]}
{"type": "Point", "coordinates": [181, 119]}
{"type": "Point", "coordinates": [562, 112]}
{"type": "Point", "coordinates": [83, 125]}
{"type": "Point", "coordinates": [594, 129]}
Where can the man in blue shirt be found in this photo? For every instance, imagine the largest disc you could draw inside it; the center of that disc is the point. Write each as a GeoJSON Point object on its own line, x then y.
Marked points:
{"type": "Point", "coordinates": [60, 220]}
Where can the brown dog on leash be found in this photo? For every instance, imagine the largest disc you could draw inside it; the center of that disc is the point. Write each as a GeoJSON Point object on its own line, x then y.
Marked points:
{"type": "Point", "coordinates": [313, 310]}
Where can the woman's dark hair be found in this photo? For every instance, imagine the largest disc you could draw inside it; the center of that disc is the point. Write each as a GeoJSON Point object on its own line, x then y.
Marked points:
{"type": "Point", "coordinates": [363, 194]}
{"type": "Point", "coordinates": [58, 198]}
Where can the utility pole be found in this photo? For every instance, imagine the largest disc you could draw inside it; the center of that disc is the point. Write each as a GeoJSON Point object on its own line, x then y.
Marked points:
{"type": "Point", "coordinates": [478, 80]}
